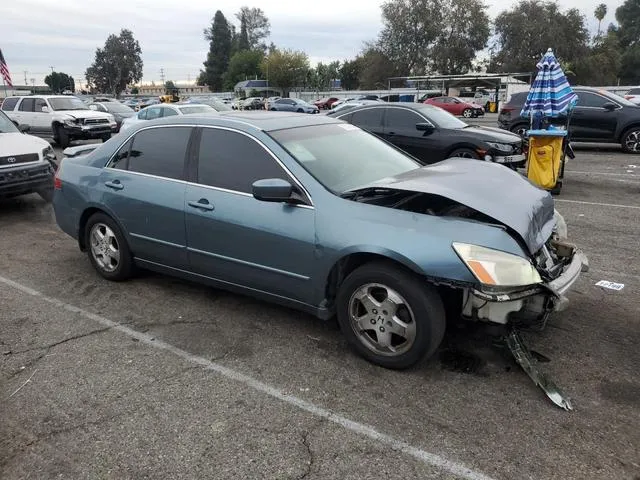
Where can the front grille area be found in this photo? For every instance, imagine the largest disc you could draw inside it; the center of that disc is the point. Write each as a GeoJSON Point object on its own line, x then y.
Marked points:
{"type": "Point", "coordinates": [26, 174]}
{"type": "Point", "coordinates": [95, 121]}
{"type": "Point", "coordinates": [16, 159]}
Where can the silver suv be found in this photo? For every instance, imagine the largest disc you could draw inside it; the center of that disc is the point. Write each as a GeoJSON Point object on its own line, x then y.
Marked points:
{"type": "Point", "coordinates": [63, 117]}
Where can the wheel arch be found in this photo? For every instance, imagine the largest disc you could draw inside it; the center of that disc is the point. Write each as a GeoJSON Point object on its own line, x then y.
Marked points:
{"type": "Point", "coordinates": [459, 146]}
{"type": "Point", "coordinates": [623, 131]}
{"type": "Point", "coordinates": [350, 260]}
{"type": "Point", "coordinates": [86, 215]}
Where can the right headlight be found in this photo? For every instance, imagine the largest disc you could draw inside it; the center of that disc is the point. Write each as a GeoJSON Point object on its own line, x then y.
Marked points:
{"type": "Point", "coordinates": [496, 268]}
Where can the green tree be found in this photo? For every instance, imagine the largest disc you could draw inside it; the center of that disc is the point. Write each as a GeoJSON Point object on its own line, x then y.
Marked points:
{"type": "Point", "coordinates": [169, 86]}
{"type": "Point", "coordinates": [243, 65]}
{"type": "Point", "coordinates": [349, 73]}
{"type": "Point", "coordinates": [600, 12]}
{"type": "Point", "coordinates": [375, 68]}
{"type": "Point", "coordinates": [601, 65]}
{"type": "Point", "coordinates": [257, 27]}
{"type": "Point", "coordinates": [219, 36]}
{"type": "Point", "coordinates": [117, 64]}
{"type": "Point", "coordinates": [243, 40]}
{"type": "Point", "coordinates": [134, 91]}
{"type": "Point", "coordinates": [464, 32]}
{"type": "Point", "coordinates": [58, 82]}
{"type": "Point", "coordinates": [285, 68]}
{"type": "Point", "coordinates": [529, 28]}
{"type": "Point", "coordinates": [628, 17]}
{"type": "Point", "coordinates": [410, 28]}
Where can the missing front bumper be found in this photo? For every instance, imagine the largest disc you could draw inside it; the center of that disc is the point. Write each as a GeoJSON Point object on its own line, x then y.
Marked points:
{"type": "Point", "coordinates": [531, 305]}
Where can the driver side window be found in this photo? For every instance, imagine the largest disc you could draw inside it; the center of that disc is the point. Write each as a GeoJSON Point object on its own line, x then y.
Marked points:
{"type": "Point", "coordinates": [142, 114]}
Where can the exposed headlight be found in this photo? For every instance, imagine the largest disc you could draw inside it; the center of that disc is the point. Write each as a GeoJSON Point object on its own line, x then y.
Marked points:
{"type": "Point", "coordinates": [71, 122]}
{"type": "Point", "coordinates": [496, 268]}
{"type": "Point", "coordinates": [49, 154]}
{"type": "Point", "coordinates": [503, 147]}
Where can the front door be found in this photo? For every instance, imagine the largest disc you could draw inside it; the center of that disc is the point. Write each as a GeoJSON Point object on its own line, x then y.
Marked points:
{"type": "Point", "coordinates": [144, 188]}
{"type": "Point", "coordinates": [235, 238]}
{"type": "Point", "coordinates": [590, 121]}
{"type": "Point", "coordinates": [400, 129]}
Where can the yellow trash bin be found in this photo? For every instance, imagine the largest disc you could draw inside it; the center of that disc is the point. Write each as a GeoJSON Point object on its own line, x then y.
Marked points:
{"type": "Point", "coordinates": [544, 158]}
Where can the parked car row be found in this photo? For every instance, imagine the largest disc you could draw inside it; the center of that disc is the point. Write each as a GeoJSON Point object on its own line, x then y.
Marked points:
{"type": "Point", "coordinates": [315, 213]}
{"type": "Point", "coordinates": [599, 116]}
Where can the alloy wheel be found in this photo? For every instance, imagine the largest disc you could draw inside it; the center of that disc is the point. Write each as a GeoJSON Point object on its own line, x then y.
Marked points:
{"type": "Point", "coordinates": [104, 247]}
{"type": "Point", "coordinates": [382, 319]}
{"type": "Point", "coordinates": [467, 113]}
{"type": "Point", "coordinates": [632, 141]}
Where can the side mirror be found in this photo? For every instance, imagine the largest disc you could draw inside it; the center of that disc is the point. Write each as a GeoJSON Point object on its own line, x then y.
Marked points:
{"type": "Point", "coordinates": [24, 128]}
{"type": "Point", "coordinates": [609, 106]}
{"type": "Point", "coordinates": [45, 109]}
{"type": "Point", "coordinates": [424, 127]}
{"type": "Point", "coordinates": [272, 190]}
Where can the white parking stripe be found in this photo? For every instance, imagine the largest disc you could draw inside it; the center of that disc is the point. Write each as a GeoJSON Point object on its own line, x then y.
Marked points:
{"type": "Point", "coordinates": [630, 175]}
{"type": "Point", "coordinates": [358, 428]}
{"type": "Point", "coordinates": [598, 204]}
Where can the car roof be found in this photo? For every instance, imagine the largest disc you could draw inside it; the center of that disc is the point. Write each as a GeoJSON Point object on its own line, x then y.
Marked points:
{"type": "Point", "coordinates": [417, 107]}
{"type": "Point", "coordinates": [265, 121]}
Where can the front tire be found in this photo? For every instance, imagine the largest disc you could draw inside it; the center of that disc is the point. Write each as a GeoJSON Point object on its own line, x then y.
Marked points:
{"type": "Point", "coordinates": [107, 248]}
{"type": "Point", "coordinates": [389, 315]}
{"type": "Point", "coordinates": [464, 153]}
{"type": "Point", "coordinates": [467, 113]}
{"type": "Point", "coordinates": [105, 137]}
{"type": "Point", "coordinates": [631, 140]}
{"type": "Point", "coordinates": [62, 137]}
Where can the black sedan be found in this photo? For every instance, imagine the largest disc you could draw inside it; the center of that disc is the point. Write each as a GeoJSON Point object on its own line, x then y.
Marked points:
{"type": "Point", "coordinates": [430, 134]}
{"type": "Point", "coordinates": [599, 117]}
{"type": "Point", "coordinates": [120, 111]}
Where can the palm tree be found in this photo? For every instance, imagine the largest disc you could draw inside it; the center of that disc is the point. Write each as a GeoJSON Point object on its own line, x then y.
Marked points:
{"type": "Point", "coordinates": [600, 13]}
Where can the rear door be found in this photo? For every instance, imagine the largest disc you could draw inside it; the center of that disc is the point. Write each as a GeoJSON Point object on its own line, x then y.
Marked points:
{"type": "Point", "coordinates": [144, 188]}
{"type": "Point", "coordinates": [25, 111]}
{"type": "Point", "coordinates": [235, 238]}
{"type": "Point", "coordinates": [590, 121]}
{"type": "Point", "coordinates": [369, 119]}
{"type": "Point", "coordinates": [400, 129]}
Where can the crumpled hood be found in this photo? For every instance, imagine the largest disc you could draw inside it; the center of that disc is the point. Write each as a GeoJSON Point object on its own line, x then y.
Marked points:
{"type": "Point", "coordinates": [84, 113]}
{"type": "Point", "coordinates": [489, 188]}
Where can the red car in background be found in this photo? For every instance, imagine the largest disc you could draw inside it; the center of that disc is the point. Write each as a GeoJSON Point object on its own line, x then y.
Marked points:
{"type": "Point", "coordinates": [457, 106]}
{"type": "Point", "coordinates": [325, 103]}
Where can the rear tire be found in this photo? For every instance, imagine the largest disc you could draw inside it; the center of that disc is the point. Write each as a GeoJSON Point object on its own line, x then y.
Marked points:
{"type": "Point", "coordinates": [464, 153]}
{"type": "Point", "coordinates": [107, 244]}
{"type": "Point", "coordinates": [405, 314]}
{"type": "Point", "coordinates": [300, 110]}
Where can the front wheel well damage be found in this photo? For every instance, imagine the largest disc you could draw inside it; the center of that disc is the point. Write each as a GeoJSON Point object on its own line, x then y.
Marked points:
{"type": "Point", "coordinates": [450, 292]}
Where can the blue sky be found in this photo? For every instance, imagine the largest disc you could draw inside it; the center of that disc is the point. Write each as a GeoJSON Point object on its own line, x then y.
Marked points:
{"type": "Point", "coordinates": [40, 34]}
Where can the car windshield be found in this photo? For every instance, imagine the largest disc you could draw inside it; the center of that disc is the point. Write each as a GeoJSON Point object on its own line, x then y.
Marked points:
{"type": "Point", "coordinates": [196, 109]}
{"type": "Point", "coordinates": [71, 103]}
{"type": "Point", "coordinates": [615, 98]}
{"type": "Point", "coordinates": [117, 107]}
{"type": "Point", "coordinates": [6, 125]}
{"type": "Point", "coordinates": [341, 156]}
{"type": "Point", "coordinates": [442, 118]}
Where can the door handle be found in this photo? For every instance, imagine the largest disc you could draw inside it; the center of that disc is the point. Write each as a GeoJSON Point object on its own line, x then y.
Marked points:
{"type": "Point", "coordinates": [115, 184]}
{"type": "Point", "coordinates": [391, 134]}
{"type": "Point", "coordinates": [202, 204]}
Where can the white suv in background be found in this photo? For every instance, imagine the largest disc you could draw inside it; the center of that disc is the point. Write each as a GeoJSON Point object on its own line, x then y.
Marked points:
{"type": "Point", "coordinates": [63, 117]}
{"type": "Point", "coordinates": [633, 95]}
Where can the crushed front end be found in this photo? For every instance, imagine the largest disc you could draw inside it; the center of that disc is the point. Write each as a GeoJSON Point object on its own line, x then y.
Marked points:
{"type": "Point", "coordinates": [558, 263]}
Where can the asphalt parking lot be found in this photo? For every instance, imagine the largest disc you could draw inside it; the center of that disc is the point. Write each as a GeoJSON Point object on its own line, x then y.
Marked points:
{"type": "Point", "coordinates": [160, 378]}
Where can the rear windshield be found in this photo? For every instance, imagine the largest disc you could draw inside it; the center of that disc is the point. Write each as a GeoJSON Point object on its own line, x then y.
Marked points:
{"type": "Point", "coordinates": [196, 109]}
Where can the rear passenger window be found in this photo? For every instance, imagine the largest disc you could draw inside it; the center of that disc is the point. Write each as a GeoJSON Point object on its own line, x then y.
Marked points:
{"type": "Point", "coordinates": [160, 151]}
{"type": "Point", "coordinates": [234, 161]}
{"type": "Point", "coordinates": [27, 104]}
{"type": "Point", "coordinates": [9, 104]}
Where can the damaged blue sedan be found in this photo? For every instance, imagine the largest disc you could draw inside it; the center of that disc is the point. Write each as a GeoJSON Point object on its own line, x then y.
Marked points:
{"type": "Point", "coordinates": [316, 214]}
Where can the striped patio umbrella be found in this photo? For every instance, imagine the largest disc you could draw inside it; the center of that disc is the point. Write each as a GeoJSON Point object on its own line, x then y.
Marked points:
{"type": "Point", "coordinates": [550, 95]}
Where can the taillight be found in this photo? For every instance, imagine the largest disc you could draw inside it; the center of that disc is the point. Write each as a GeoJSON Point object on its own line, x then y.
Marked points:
{"type": "Point", "coordinates": [57, 182]}
{"type": "Point", "coordinates": [507, 109]}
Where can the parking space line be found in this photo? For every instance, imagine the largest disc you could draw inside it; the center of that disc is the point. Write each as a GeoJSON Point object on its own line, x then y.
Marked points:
{"type": "Point", "coordinates": [361, 429]}
{"type": "Point", "coordinates": [598, 204]}
{"type": "Point", "coordinates": [630, 175]}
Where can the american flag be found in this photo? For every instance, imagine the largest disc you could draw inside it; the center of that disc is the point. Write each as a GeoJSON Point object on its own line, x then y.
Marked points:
{"type": "Point", "coordinates": [4, 70]}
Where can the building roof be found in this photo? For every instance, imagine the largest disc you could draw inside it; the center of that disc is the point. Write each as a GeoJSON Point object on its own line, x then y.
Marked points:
{"type": "Point", "coordinates": [251, 84]}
